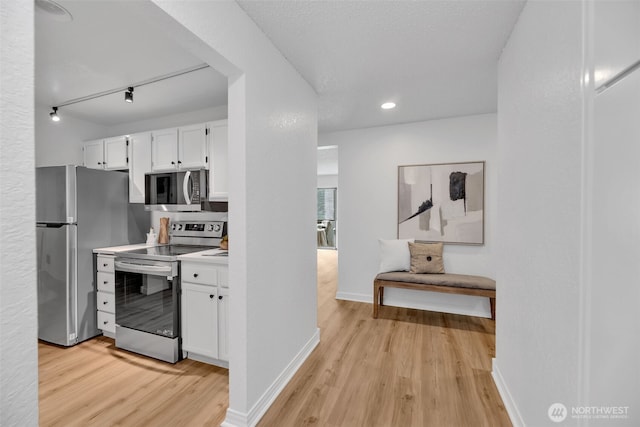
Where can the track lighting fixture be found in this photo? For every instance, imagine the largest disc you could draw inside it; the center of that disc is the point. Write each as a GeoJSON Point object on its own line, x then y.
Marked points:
{"type": "Point", "coordinates": [128, 95]}
{"type": "Point", "coordinates": [54, 115]}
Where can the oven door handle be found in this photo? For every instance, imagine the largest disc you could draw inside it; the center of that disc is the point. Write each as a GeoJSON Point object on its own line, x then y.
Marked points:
{"type": "Point", "coordinates": [156, 270]}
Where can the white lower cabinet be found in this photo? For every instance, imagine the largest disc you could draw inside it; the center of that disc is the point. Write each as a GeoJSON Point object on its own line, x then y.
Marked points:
{"type": "Point", "coordinates": [205, 313]}
{"type": "Point", "coordinates": [200, 319]}
{"type": "Point", "coordinates": [105, 298]}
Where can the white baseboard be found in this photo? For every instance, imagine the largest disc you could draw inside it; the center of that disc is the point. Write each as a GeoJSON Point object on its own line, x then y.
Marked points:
{"type": "Point", "coordinates": [235, 419]}
{"type": "Point", "coordinates": [250, 419]}
{"type": "Point", "coordinates": [349, 296]}
{"type": "Point", "coordinates": [507, 399]}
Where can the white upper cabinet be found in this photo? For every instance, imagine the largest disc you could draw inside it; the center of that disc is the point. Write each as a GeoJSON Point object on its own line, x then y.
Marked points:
{"type": "Point", "coordinates": [116, 153]}
{"type": "Point", "coordinates": [139, 165]}
{"type": "Point", "coordinates": [192, 147]}
{"type": "Point", "coordinates": [218, 152]}
{"type": "Point", "coordinates": [164, 149]}
{"type": "Point", "coordinates": [110, 153]}
{"type": "Point", "coordinates": [180, 148]}
{"type": "Point", "coordinates": [93, 154]}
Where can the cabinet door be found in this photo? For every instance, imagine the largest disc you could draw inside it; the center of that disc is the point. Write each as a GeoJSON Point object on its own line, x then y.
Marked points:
{"type": "Point", "coordinates": [218, 152]}
{"type": "Point", "coordinates": [192, 147]}
{"type": "Point", "coordinates": [199, 319]}
{"type": "Point", "coordinates": [92, 152]}
{"type": "Point", "coordinates": [164, 149]}
{"type": "Point", "coordinates": [223, 324]}
{"type": "Point", "coordinates": [116, 155]}
{"type": "Point", "coordinates": [140, 164]}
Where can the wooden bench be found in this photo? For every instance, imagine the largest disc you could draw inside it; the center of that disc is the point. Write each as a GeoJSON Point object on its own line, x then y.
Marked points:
{"type": "Point", "coordinates": [461, 284]}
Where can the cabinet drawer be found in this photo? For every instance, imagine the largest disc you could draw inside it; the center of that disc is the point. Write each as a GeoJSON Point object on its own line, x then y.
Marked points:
{"type": "Point", "coordinates": [106, 281]}
{"type": "Point", "coordinates": [105, 263]}
{"type": "Point", "coordinates": [199, 273]}
{"type": "Point", "coordinates": [106, 302]}
{"type": "Point", "coordinates": [107, 321]}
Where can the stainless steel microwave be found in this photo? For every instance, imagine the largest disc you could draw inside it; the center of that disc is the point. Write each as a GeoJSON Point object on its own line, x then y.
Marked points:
{"type": "Point", "coordinates": [183, 191]}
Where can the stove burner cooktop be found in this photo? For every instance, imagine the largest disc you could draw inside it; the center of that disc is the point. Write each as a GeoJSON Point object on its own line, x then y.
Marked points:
{"type": "Point", "coordinates": [164, 252]}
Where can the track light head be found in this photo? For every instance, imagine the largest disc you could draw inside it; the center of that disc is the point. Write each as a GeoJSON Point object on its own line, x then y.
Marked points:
{"type": "Point", "coordinates": [54, 114]}
{"type": "Point", "coordinates": [128, 95]}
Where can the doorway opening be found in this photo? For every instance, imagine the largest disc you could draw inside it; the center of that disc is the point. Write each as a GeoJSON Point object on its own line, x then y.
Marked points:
{"type": "Point", "coordinates": [327, 196]}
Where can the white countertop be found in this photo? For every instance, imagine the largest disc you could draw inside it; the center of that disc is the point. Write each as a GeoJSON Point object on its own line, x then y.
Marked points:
{"type": "Point", "coordinates": [115, 249]}
{"type": "Point", "coordinates": [206, 256]}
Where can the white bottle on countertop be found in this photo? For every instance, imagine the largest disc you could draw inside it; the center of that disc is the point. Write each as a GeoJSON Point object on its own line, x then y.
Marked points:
{"type": "Point", "coordinates": [151, 236]}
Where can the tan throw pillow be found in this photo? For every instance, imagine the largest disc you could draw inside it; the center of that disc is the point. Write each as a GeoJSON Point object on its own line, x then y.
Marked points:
{"type": "Point", "coordinates": [426, 258]}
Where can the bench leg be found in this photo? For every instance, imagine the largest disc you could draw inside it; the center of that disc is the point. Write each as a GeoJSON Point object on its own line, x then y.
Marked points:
{"type": "Point", "coordinates": [492, 302]}
{"type": "Point", "coordinates": [376, 297]}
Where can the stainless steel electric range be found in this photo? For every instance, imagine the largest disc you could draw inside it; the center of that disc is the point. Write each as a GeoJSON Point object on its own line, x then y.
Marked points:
{"type": "Point", "coordinates": [148, 289]}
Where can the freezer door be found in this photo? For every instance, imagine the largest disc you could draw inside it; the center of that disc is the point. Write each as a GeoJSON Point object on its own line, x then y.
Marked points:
{"type": "Point", "coordinates": [56, 194]}
{"type": "Point", "coordinates": [57, 321]}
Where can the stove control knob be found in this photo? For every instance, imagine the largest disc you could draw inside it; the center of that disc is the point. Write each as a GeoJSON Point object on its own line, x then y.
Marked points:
{"type": "Point", "coordinates": [179, 226]}
{"type": "Point", "coordinates": [173, 226]}
{"type": "Point", "coordinates": [216, 227]}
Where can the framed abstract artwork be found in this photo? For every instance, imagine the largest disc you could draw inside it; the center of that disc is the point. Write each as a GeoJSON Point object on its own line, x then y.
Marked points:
{"type": "Point", "coordinates": [442, 202]}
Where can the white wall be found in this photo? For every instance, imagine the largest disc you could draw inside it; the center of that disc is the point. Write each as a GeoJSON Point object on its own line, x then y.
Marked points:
{"type": "Point", "coordinates": [613, 340]}
{"type": "Point", "coordinates": [368, 202]}
{"type": "Point", "coordinates": [538, 242]}
{"type": "Point", "coordinates": [272, 163]}
{"type": "Point", "coordinates": [327, 181]}
{"type": "Point", "coordinates": [60, 143]}
{"type": "Point", "coordinates": [174, 120]}
{"type": "Point", "coordinates": [18, 305]}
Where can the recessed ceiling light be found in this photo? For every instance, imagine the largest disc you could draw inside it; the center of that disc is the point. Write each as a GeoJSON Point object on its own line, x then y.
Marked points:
{"type": "Point", "coordinates": [388, 105]}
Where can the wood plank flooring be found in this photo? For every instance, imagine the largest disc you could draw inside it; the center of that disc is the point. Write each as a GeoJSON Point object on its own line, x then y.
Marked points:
{"type": "Point", "coordinates": [406, 368]}
{"type": "Point", "coordinates": [96, 384]}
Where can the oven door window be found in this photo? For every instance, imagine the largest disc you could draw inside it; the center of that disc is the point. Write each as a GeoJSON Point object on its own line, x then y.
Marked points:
{"type": "Point", "coordinates": [147, 303]}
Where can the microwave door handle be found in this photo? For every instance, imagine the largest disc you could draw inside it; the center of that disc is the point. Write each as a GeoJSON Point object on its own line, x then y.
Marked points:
{"type": "Point", "coordinates": [185, 187]}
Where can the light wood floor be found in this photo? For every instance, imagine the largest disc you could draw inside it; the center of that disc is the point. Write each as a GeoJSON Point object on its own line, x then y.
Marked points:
{"type": "Point", "coordinates": [406, 368]}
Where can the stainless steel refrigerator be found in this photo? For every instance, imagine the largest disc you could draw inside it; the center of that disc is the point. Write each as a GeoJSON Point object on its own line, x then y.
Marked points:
{"type": "Point", "coordinates": [77, 210]}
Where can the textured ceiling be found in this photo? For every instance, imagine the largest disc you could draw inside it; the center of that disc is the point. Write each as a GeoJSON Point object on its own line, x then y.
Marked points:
{"type": "Point", "coordinates": [433, 58]}
{"type": "Point", "coordinates": [107, 46]}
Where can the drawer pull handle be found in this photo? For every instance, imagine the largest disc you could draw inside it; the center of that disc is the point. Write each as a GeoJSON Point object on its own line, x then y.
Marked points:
{"type": "Point", "coordinates": [106, 282]}
{"type": "Point", "coordinates": [195, 274]}
{"type": "Point", "coordinates": [105, 302]}
{"type": "Point", "coordinates": [211, 296]}
{"type": "Point", "coordinates": [105, 322]}
{"type": "Point", "coordinates": [220, 297]}
{"type": "Point", "coordinates": [104, 265]}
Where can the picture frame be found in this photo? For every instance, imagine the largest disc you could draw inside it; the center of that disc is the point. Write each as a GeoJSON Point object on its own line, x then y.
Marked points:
{"type": "Point", "coordinates": [442, 202]}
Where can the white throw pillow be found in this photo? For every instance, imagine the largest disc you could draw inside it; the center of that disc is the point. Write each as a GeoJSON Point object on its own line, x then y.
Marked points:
{"type": "Point", "coordinates": [395, 255]}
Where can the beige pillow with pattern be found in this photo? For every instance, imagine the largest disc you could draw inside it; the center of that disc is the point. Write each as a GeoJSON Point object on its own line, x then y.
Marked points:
{"type": "Point", "coordinates": [426, 258]}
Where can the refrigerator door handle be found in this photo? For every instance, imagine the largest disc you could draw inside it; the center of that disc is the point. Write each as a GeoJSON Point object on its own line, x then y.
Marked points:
{"type": "Point", "coordinates": [72, 280]}
{"type": "Point", "coordinates": [50, 225]}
